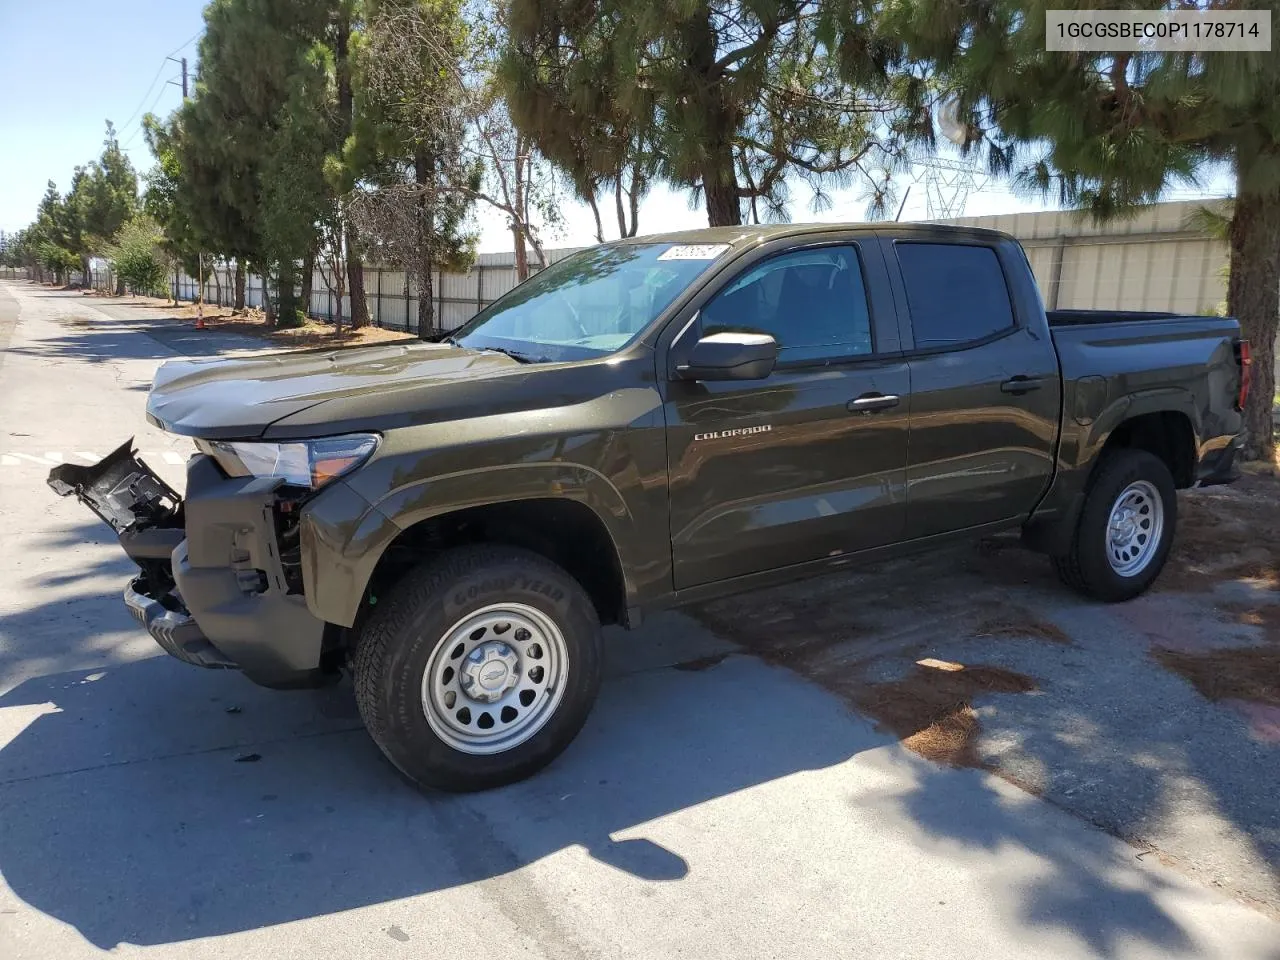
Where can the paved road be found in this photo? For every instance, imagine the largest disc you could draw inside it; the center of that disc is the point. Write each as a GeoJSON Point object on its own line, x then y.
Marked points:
{"type": "Point", "coordinates": [732, 811]}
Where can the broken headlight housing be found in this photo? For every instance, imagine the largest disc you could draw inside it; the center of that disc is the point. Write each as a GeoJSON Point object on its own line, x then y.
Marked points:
{"type": "Point", "coordinates": [301, 463]}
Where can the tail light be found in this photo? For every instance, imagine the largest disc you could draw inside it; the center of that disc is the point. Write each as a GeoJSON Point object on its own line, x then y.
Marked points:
{"type": "Point", "coordinates": [1244, 358]}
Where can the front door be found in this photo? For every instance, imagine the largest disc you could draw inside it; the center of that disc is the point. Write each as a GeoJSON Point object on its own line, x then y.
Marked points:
{"type": "Point", "coordinates": [810, 462]}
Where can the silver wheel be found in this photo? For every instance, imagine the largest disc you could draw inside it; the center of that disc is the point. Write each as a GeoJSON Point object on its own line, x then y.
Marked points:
{"type": "Point", "coordinates": [495, 678]}
{"type": "Point", "coordinates": [1135, 528]}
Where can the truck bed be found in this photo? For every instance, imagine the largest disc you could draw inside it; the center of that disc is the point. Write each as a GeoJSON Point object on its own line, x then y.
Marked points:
{"type": "Point", "coordinates": [1075, 318]}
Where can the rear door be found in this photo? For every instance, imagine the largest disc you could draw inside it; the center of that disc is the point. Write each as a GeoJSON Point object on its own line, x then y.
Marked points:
{"type": "Point", "coordinates": [985, 386]}
{"type": "Point", "coordinates": [809, 462]}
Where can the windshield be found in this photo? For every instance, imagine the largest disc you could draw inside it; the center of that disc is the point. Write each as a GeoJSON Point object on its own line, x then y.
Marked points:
{"type": "Point", "coordinates": [589, 304]}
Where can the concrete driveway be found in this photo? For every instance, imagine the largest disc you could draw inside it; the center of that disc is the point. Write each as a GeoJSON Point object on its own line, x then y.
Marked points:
{"type": "Point", "coordinates": [718, 804]}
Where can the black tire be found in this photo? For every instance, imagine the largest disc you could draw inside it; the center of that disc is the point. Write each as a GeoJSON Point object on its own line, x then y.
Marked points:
{"type": "Point", "coordinates": [396, 644]}
{"type": "Point", "coordinates": [1085, 566]}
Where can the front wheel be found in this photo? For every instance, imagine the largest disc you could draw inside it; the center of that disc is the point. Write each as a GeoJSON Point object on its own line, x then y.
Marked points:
{"type": "Point", "coordinates": [479, 668]}
{"type": "Point", "coordinates": [1125, 530]}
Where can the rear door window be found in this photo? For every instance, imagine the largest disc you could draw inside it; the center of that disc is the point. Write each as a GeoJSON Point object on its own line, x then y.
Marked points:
{"type": "Point", "coordinates": [956, 293]}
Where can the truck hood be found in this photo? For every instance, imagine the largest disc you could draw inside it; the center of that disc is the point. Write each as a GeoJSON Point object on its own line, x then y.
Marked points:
{"type": "Point", "coordinates": [238, 398]}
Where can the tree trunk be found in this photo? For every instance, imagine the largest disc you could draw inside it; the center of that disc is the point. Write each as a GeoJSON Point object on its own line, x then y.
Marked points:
{"type": "Point", "coordinates": [719, 177]}
{"type": "Point", "coordinates": [595, 212]}
{"type": "Point", "coordinates": [517, 225]}
{"type": "Point", "coordinates": [287, 312]}
{"type": "Point", "coordinates": [720, 190]}
{"type": "Point", "coordinates": [339, 292]}
{"type": "Point", "coordinates": [239, 302]}
{"type": "Point", "coordinates": [617, 201]}
{"type": "Point", "coordinates": [424, 174]}
{"type": "Point", "coordinates": [308, 278]}
{"type": "Point", "coordinates": [355, 281]}
{"type": "Point", "coordinates": [355, 266]}
{"type": "Point", "coordinates": [177, 282]}
{"type": "Point", "coordinates": [633, 199]}
{"type": "Point", "coordinates": [1253, 297]}
{"type": "Point", "coordinates": [119, 285]}
{"type": "Point", "coordinates": [217, 286]}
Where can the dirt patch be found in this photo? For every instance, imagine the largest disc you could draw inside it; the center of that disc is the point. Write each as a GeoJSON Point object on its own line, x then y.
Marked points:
{"type": "Point", "coordinates": [1251, 674]}
{"type": "Point", "coordinates": [700, 663]}
{"type": "Point", "coordinates": [253, 323]}
{"type": "Point", "coordinates": [1226, 533]}
{"type": "Point", "coordinates": [1015, 622]}
{"type": "Point", "coordinates": [931, 710]}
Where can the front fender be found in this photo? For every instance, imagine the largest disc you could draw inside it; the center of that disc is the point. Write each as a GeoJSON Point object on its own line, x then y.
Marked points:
{"type": "Point", "coordinates": [343, 536]}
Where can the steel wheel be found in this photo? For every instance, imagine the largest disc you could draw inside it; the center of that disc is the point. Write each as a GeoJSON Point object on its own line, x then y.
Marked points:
{"type": "Point", "coordinates": [495, 678]}
{"type": "Point", "coordinates": [1134, 528]}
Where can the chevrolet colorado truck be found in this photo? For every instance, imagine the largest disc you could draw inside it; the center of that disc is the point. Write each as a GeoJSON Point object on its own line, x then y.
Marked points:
{"type": "Point", "coordinates": [644, 424]}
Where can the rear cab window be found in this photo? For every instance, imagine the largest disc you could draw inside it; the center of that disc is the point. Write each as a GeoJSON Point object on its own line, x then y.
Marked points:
{"type": "Point", "coordinates": [956, 293]}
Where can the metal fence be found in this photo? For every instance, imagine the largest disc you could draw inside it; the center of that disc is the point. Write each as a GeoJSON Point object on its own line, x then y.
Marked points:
{"type": "Point", "coordinates": [14, 273]}
{"type": "Point", "coordinates": [391, 295]}
{"type": "Point", "coordinates": [1154, 261]}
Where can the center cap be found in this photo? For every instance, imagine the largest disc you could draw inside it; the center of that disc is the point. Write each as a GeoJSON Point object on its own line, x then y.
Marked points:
{"type": "Point", "coordinates": [1123, 528]}
{"type": "Point", "coordinates": [489, 672]}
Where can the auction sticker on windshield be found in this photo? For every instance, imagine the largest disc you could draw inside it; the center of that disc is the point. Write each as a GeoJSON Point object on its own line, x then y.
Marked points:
{"type": "Point", "coordinates": [694, 251]}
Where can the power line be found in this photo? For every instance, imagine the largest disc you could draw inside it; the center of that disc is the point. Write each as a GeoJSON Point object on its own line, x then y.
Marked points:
{"type": "Point", "coordinates": [138, 129]}
{"type": "Point", "coordinates": [151, 86]}
{"type": "Point", "coordinates": [185, 45]}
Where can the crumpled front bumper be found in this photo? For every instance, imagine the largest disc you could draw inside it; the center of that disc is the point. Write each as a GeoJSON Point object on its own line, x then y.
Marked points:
{"type": "Point", "coordinates": [212, 590]}
{"type": "Point", "coordinates": [176, 631]}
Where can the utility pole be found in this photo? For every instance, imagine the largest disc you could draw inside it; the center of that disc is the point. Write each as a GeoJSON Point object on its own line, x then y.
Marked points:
{"type": "Point", "coordinates": [182, 61]}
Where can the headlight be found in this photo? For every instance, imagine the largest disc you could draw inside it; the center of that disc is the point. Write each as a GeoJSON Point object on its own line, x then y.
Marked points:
{"type": "Point", "coordinates": [303, 463]}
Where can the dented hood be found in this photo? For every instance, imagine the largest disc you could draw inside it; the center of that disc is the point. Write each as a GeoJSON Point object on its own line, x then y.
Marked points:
{"type": "Point", "coordinates": [238, 398]}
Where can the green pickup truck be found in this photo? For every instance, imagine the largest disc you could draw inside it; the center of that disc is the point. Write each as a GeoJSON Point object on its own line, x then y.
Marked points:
{"type": "Point", "coordinates": [641, 425]}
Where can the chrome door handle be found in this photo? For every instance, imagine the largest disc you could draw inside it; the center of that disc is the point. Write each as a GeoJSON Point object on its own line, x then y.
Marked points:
{"type": "Point", "coordinates": [871, 402]}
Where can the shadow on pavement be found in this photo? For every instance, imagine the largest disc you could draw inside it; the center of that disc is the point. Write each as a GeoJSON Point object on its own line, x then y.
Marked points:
{"type": "Point", "coordinates": [272, 807]}
{"type": "Point", "coordinates": [1107, 733]}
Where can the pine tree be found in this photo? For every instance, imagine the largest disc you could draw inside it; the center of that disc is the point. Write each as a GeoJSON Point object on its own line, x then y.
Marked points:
{"type": "Point", "coordinates": [253, 138]}
{"type": "Point", "coordinates": [733, 99]}
{"type": "Point", "coordinates": [1108, 131]}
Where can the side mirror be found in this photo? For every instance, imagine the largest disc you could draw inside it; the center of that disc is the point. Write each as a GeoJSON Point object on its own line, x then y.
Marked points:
{"type": "Point", "coordinates": [730, 356]}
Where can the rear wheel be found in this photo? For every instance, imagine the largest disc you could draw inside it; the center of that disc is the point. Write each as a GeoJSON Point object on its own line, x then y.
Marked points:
{"type": "Point", "coordinates": [479, 668]}
{"type": "Point", "coordinates": [1125, 530]}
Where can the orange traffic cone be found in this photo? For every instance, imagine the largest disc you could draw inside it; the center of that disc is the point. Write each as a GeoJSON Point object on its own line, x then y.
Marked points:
{"type": "Point", "coordinates": [200, 315]}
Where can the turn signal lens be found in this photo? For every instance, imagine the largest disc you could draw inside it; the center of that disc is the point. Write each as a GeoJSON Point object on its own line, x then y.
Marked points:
{"type": "Point", "coordinates": [302, 463]}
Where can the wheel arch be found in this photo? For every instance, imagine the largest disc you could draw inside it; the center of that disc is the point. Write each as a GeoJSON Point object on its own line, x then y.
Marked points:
{"type": "Point", "coordinates": [563, 530]}
{"type": "Point", "coordinates": [570, 514]}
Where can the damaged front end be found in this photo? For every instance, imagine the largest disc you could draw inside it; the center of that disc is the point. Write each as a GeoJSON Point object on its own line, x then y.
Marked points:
{"type": "Point", "coordinates": [219, 582]}
{"type": "Point", "coordinates": [148, 517]}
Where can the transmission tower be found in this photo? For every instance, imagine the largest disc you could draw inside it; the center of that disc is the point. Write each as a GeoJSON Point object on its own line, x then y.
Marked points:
{"type": "Point", "coordinates": [948, 183]}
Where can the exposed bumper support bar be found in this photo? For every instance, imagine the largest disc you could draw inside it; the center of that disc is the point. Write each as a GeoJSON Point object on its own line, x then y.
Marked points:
{"type": "Point", "coordinates": [176, 633]}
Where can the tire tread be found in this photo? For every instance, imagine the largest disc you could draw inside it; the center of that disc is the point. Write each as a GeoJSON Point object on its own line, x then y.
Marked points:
{"type": "Point", "coordinates": [371, 662]}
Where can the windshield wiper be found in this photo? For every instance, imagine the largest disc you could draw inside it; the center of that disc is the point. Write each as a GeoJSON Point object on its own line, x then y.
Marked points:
{"type": "Point", "coordinates": [517, 357]}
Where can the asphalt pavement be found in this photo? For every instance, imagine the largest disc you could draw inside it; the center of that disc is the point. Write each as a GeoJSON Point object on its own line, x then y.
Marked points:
{"type": "Point", "coordinates": [711, 808]}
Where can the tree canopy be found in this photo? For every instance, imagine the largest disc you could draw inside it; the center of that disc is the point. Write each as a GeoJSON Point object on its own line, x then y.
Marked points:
{"type": "Point", "coordinates": [731, 99]}
{"type": "Point", "coordinates": [1103, 132]}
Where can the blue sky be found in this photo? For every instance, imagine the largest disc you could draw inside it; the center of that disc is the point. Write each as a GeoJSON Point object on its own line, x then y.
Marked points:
{"type": "Point", "coordinates": [67, 66]}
